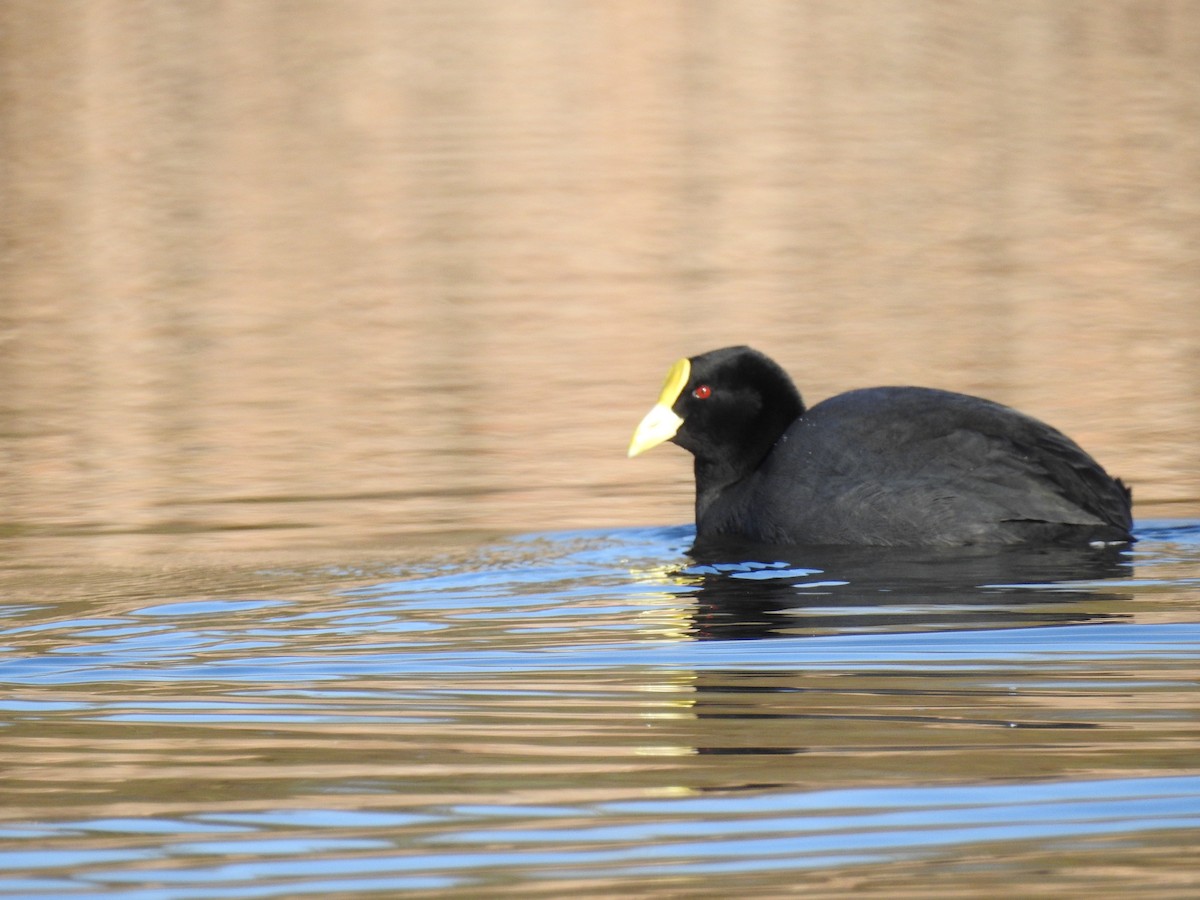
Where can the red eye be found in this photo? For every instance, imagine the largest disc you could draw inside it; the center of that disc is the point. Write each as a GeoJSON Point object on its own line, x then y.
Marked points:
{"type": "Point", "coordinates": [703, 392]}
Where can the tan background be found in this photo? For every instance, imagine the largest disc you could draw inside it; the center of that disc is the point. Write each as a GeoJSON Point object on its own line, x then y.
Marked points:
{"type": "Point", "coordinates": [319, 275]}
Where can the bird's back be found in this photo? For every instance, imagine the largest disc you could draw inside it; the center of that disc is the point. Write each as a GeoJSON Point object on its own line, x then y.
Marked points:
{"type": "Point", "coordinates": [898, 466]}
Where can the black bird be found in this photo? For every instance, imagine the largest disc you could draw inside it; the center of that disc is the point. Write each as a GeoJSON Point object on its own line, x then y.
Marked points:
{"type": "Point", "coordinates": [887, 466]}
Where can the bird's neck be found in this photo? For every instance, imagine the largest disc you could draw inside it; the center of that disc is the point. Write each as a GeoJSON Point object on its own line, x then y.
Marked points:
{"type": "Point", "coordinates": [714, 479]}
{"type": "Point", "coordinates": [721, 467]}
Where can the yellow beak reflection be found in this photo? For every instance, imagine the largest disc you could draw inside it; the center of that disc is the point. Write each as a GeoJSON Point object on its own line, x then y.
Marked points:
{"type": "Point", "coordinates": [660, 424]}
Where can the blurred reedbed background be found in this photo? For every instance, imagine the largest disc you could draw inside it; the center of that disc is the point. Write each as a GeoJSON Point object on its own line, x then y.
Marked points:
{"type": "Point", "coordinates": [319, 275]}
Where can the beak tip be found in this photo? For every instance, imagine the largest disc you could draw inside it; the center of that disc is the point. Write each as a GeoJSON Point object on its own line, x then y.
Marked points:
{"type": "Point", "coordinates": [659, 426]}
{"type": "Point", "coordinates": [661, 423]}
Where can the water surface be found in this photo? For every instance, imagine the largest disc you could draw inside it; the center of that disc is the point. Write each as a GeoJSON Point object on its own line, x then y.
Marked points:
{"type": "Point", "coordinates": [323, 328]}
{"type": "Point", "coordinates": [599, 713]}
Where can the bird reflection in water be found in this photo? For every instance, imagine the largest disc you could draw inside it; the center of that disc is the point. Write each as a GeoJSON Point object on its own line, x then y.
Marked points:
{"type": "Point", "coordinates": [745, 591]}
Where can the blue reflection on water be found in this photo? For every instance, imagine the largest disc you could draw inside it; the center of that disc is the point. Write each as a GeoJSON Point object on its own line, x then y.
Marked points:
{"type": "Point", "coordinates": [605, 663]}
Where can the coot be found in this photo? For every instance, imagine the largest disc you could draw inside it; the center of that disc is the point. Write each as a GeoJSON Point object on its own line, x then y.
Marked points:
{"type": "Point", "coordinates": [887, 466]}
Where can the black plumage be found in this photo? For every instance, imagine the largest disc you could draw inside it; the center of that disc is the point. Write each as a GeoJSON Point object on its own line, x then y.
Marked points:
{"type": "Point", "coordinates": [888, 466]}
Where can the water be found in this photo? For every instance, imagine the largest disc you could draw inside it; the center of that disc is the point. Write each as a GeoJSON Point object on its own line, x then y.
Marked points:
{"type": "Point", "coordinates": [598, 713]}
{"type": "Point", "coordinates": [322, 334]}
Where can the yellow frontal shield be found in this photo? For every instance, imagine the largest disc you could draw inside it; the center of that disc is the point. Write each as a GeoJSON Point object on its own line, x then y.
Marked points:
{"type": "Point", "coordinates": [661, 423]}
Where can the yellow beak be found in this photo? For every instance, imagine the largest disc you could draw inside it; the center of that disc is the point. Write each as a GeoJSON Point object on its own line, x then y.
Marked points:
{"type": "Point", "coordinates": [661, 423]}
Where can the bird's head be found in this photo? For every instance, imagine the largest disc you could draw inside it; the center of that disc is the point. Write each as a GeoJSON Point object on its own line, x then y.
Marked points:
{"type": "Point", "coordinates": [726, 407]}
